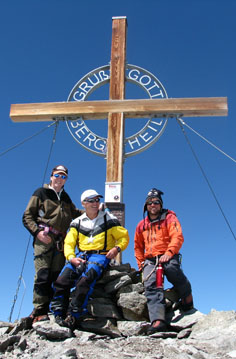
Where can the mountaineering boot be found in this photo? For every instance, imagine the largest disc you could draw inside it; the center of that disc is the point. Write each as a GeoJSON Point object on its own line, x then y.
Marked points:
{"type": "Point", "coordinates": [28, 321]}
{"type": "Point", "coordinates": [187, 303]}
{"type": "Point", "coordinates": [40, 318]}
{"type": "Point", "coordinates": [60, 321]}
{"type": "Point", "coordinates": [37, 315]}
{"type": "Point", "coordinates": [71, 322]}
{"type": "Point", "coordinates": [157, 326]}
{"type": "Point", "coordinates": [32, 315]}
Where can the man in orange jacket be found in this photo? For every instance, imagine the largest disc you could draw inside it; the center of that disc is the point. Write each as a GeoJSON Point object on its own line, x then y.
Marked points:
{"type": "Point", "coordinates": [158, 239]}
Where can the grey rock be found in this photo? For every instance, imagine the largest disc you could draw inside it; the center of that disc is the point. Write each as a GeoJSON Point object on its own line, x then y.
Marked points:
{"type": "Point", "coordinates": [232, 354]}
{"type": "Point", "coordinates": [180, 320]}
{"type": "Point", "coordinates": [217, 329]}
{"type": "Point", "coordinates": [117, 283]}
{"type": "Point", "coordinates": [136, 276]}
{"type": "Point", "coordinates": [138, 287]}
{"type": "Point", "coordinates": [52, 331]}
{"type": "Point", "coordinates": [131, 328]}
{"type": "Point", "coordinates": [24, 323]}
{"type": "Point", "coordinates": [84, 337]}
{"type": "Point", "coordinates": [22, 344]}
{"type": "Point", "coordinates": [8, 342]}
{"type": "Point", "coordinates": [102, 307]}
{"type": "Point", "coordinates": [185, 333]}
{"type": "Point", "coordinates": [134, 306]}
{"type": "Point", "coordinates": [70, 353]}
{"type": "Point", "coordinates": [123, 267]}
{"type": "Point", "coordinates": [203, 342]}
{"type": "Point", "coordinates": [111, 275]}
{"type": "Point", "coordinates": [4, 330]}
{"type": "Point", "coordinates": [101, 326]}
{"type": "Point", "coordinates": [104, 334]}
{"type": "Point", "coordinates": [163, 335]}
{"type": "Point", "coordinates": [99, 292]}
{"type": "Point", "coordinates": [7, 325]}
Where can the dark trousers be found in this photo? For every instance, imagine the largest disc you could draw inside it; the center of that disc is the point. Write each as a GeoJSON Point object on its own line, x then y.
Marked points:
{"type": "Point", "coordinates": [155, 296]}
{"type": "Point", "coordinates": [48, 263]}
{"type": "Point", "coordinates": [82, 280]}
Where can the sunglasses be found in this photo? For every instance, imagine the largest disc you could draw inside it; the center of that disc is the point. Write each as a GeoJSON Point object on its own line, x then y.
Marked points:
{"type": "Point", "coordinates": [60, 176]}
{"type": "Point", "coordinates": [92, 200]}
{"type": "Point", "coordinates": [152, 202]}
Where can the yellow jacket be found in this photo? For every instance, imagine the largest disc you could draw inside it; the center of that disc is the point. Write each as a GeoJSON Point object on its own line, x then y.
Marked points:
{"type": "Point", "coordinates": [89, 234]}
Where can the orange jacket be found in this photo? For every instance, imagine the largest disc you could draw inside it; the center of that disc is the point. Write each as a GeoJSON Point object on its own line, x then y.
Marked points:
{"type": "Point", "coordinates": [162, 236]}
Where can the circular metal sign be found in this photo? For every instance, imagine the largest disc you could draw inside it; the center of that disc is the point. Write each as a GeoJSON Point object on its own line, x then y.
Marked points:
{"type": "Point", "coordinates": [134, 144]}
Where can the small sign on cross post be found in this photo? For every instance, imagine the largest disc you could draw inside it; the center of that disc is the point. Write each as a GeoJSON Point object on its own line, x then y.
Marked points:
{"type": "Point", "coordinates": [116, 109]}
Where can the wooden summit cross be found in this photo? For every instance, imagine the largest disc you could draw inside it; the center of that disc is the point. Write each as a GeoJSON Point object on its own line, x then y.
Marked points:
{"type": "Point", "coordinates": [116, 109]}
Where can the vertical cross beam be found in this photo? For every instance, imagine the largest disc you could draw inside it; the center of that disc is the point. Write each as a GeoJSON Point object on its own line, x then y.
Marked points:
{"type": "Point", "coordinates": [115, 138]}
{"type": "Point", "coordinates": [116, 121]}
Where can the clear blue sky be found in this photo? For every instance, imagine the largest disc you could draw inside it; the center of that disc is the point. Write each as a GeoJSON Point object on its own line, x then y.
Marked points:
{"type": "Point", "coordinates": [189, 45]}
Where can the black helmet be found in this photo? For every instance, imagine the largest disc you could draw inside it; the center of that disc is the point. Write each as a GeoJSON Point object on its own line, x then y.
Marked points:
{"type": "Point", "coordinates": [153, 193]}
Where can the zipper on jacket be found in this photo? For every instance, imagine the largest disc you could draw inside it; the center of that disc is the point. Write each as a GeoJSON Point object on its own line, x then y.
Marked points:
{"type": "Point", "coordinates": [176, 227]}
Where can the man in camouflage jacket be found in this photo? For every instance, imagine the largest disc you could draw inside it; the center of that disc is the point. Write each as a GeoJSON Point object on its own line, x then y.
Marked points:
{"type": "Point", "coordinates": [47, 217]}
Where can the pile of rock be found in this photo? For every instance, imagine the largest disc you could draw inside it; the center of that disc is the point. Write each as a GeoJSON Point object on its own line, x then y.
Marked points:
{"type": "Point", "coordinates": [119, 298]}
{"type": "Point", "coordinates": [116, 326]}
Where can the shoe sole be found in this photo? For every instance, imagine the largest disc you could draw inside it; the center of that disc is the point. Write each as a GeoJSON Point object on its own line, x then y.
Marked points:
{"type": "Point", "coordinates": [36, 320]}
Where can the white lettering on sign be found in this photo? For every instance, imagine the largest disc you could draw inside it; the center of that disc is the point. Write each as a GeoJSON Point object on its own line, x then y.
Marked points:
{"type": "Point", "coordinates": [145, 80]}
{"type": "Point", "coordinates": [88, 138]}
{"type": "Point", "coordinates": [96, 141]}
{"type": "Point", "coordinates": [81, 131]}
{"type": "Point", "coordinates": [77, 123]}
{"type": "Point", "coordinates": [90, 82]}
{"type": "Point", "coordinates": [133, 144]}
{"type": "Point", "coordinates": [145, 136]}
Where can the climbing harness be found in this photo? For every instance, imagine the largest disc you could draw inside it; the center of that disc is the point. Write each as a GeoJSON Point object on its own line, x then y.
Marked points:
{"type": "Point", "coordinates": [152, 271]}
{"type": "Point", "coordinates": [99, 251]}
{"type": "Point", "coordinates": [59, 236]}
{"type": "Point", "coordinates": [160, 273]}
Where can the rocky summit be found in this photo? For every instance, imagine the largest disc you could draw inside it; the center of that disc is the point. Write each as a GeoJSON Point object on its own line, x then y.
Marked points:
{"type": "Point", "coordinates": [116, 327]}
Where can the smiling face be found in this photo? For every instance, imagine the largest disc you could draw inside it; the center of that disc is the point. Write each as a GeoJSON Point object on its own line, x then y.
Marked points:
{"type": "Point", "coordinates": [153, 207]}
{"type": "Point", "coordinates": [58, 180]}
{"type": "Point", "coordinates": [91, 206]}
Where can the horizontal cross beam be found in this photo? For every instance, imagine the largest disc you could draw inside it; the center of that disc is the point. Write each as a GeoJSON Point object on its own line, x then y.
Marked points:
{"type": "Point", "coordinates": [168, 107]}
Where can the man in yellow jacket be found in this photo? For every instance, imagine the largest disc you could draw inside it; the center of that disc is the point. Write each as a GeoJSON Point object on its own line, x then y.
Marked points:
{"type": "Point", "coordinates": [158, 239]}
{"type": "Point", "coordinates": [99, 237]}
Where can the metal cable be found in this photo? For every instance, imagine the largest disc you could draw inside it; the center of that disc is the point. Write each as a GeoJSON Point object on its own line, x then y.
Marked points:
{"type": "Point", "coordinates": [204, 175]}
{"type": "Point", "coordinates": [19, 281]}
{"type": "Point", "coordinates": [22, 300]}
{"type": "Point", "coordinates": [210, 143]}
{"type": "Point", "coordinates": [27, 248]}
{"type": "Point", "coordinates": [50, 151]}
{"type": "Point", "coordinates": [27, 139]}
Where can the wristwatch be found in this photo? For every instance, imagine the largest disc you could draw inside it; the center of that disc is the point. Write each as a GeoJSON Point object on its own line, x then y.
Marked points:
{"type": "Point", "coordinates": [118, 249]}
